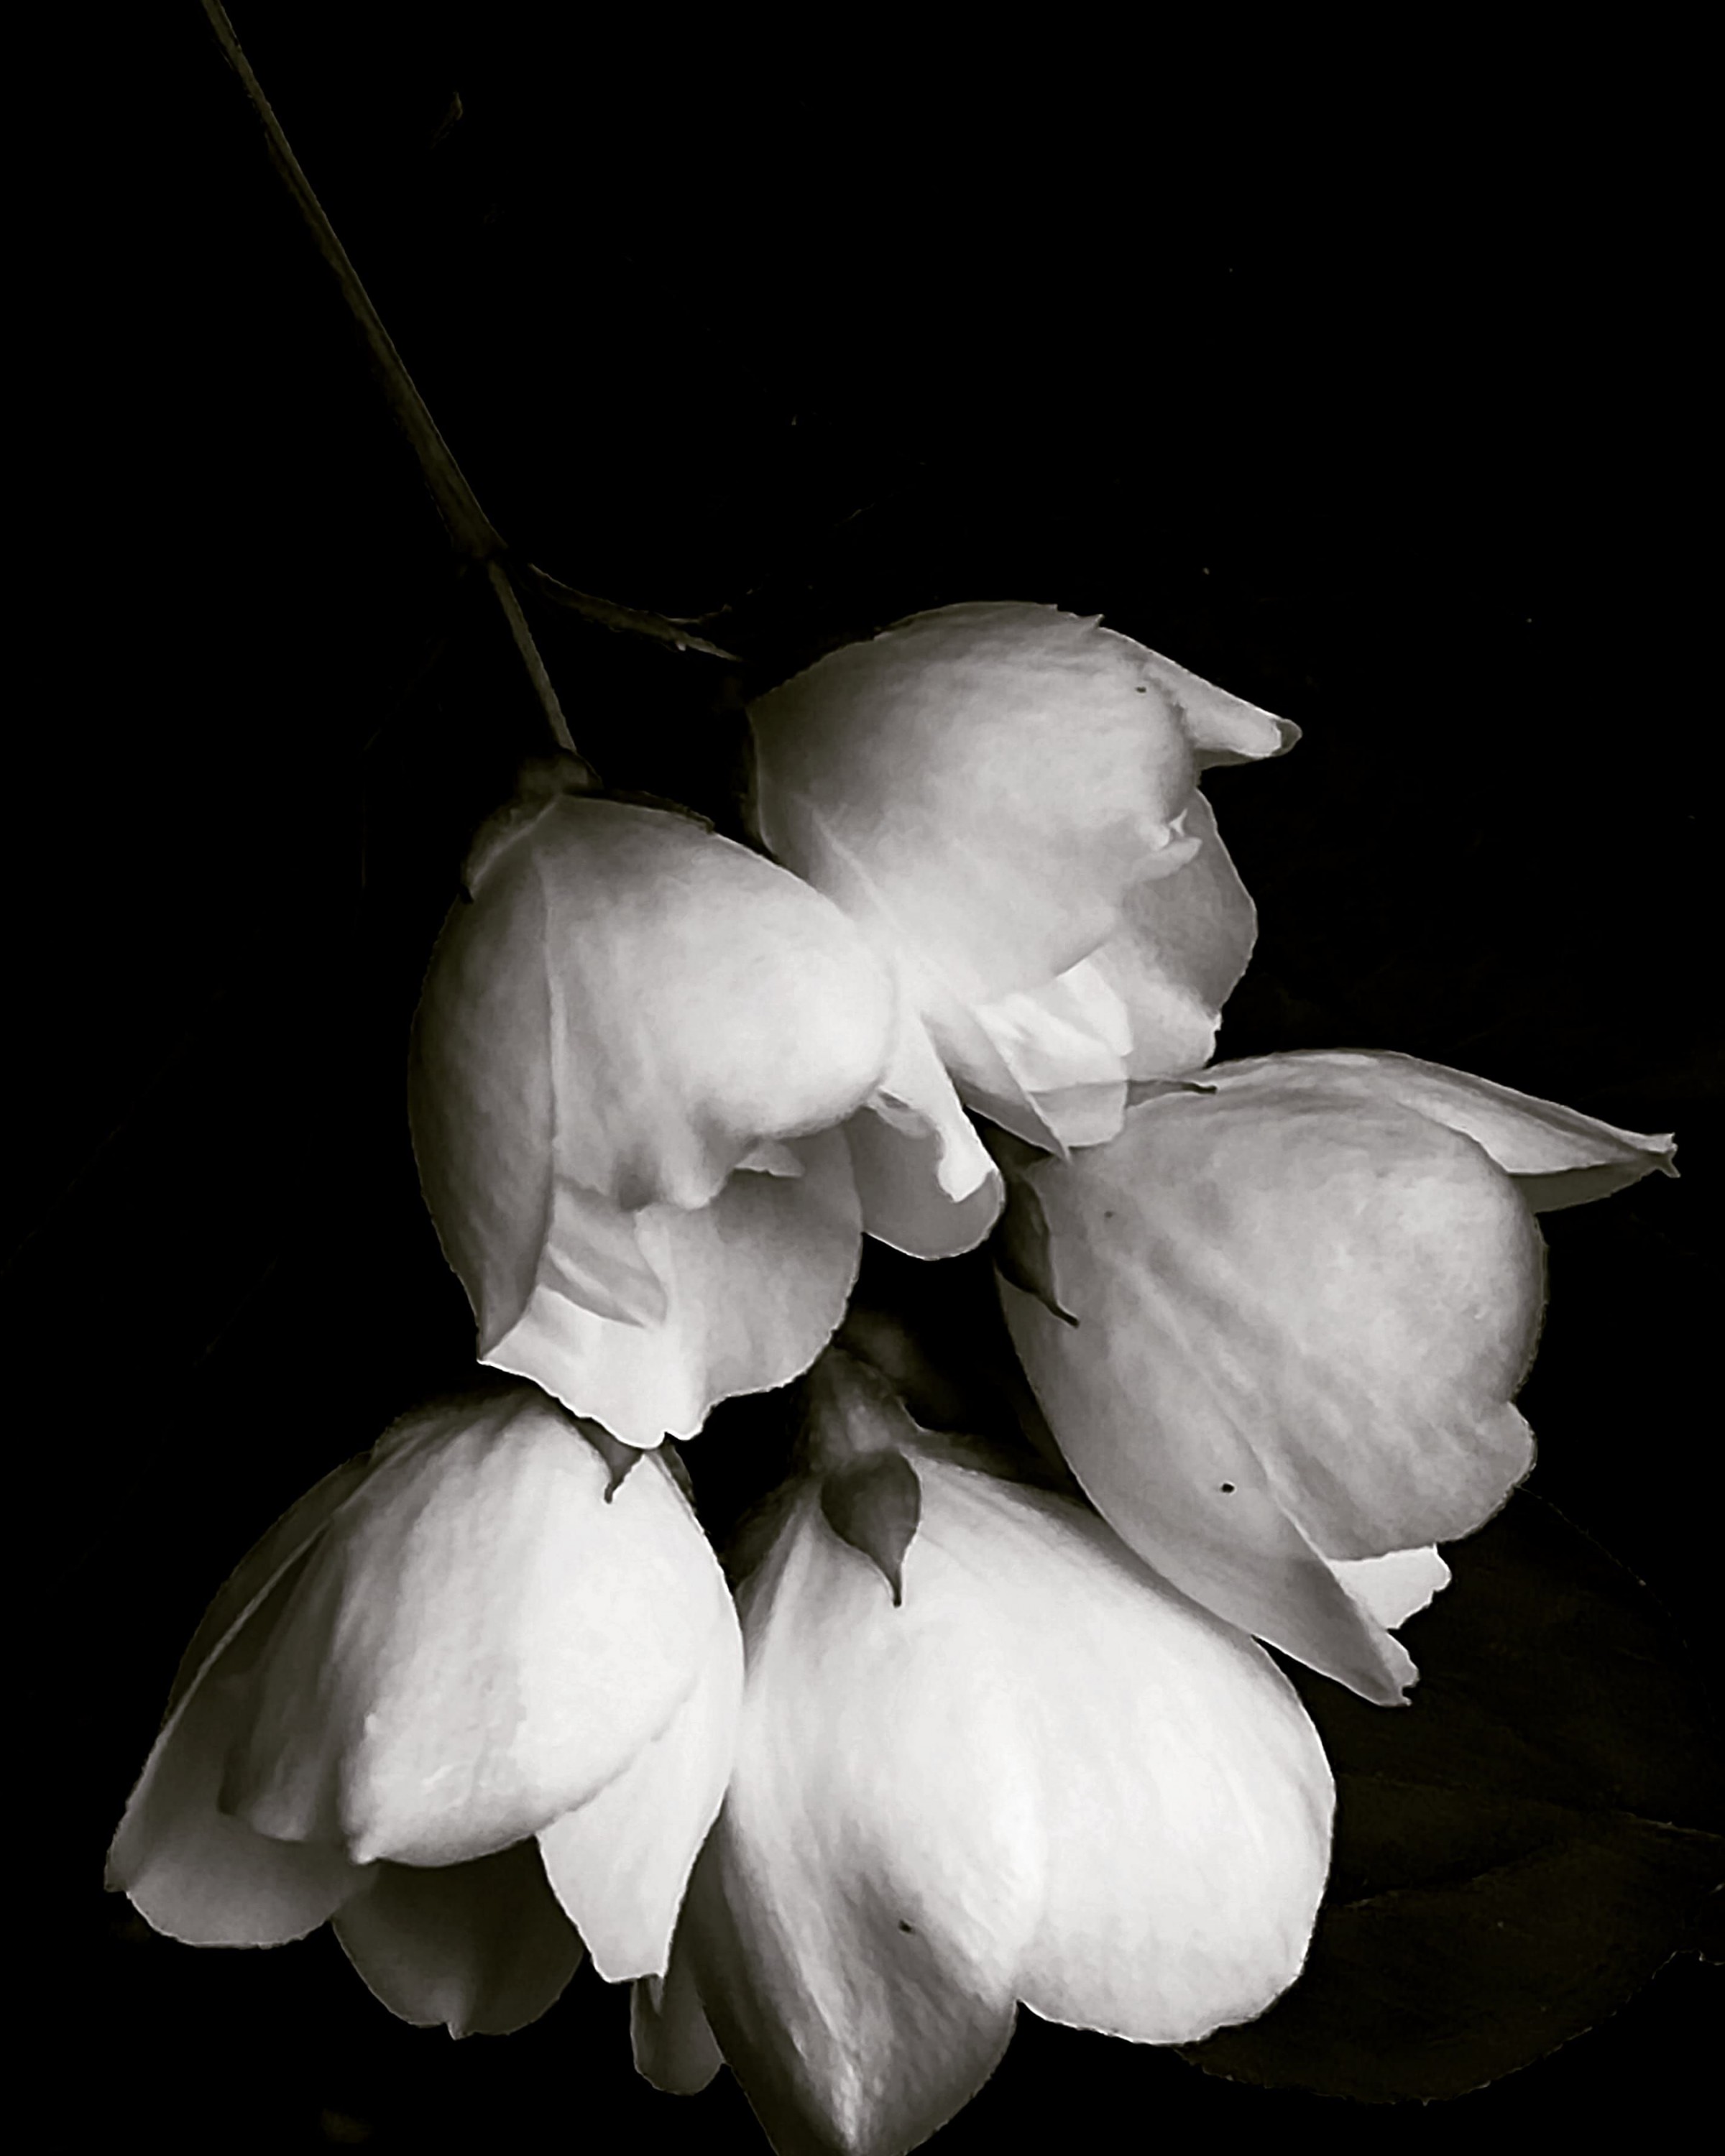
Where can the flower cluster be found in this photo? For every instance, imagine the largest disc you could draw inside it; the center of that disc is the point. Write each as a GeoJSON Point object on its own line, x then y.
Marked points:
{"type": "Point", "coordinates": [958, 1741]}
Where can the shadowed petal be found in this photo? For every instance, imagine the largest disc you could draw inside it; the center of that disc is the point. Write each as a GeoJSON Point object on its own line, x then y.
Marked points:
{"type": "Point", "coordinates": [192, 1871]}
{"type": "Point", "coordinates": [754, 1285]}
{"type": "Point", "coordinates": [674, 2047]}
{"type": "Point", "coordinates": [1183, 945]}
{"type": "Point", "coordinates": [482, 1947]}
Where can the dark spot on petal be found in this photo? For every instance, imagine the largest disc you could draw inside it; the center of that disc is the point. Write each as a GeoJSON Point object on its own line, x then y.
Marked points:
{"type": "Point", "coordinates": [1143, 690]}
{"type": "Point", "coordinates": [903, 1927]}
{"type": "Point", "coordinates": [1229, 1487]}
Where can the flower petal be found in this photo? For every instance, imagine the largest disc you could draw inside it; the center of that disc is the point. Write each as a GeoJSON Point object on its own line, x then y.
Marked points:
{"type": "Point", "coordinates": [1304, 1308]}
{"type": "Point", "coordinates": [674, 2045]}
{"type": "Point", "coordinates": [629, 1005]}
{"type": "Point", "coordinates": [1184, 1490]}
{"type": "Point", "coordinates": [926, 1183]}
{"type": "Point", "coordinates": [1187, 1800]}
{"type": "Point", "coordinates": [1558, 1156]}
{"type": "Point", "coordinates": [856, 1920]}
{"type": "Point", "coordinates": [1044, 1775]}
{"type": "Point", "coordinates": [1184, 945]}
{"type": "Point", "coordinates": [984, 783]}
{"type": "Point", "coordinates": [194, 1873]}
{"type": "Point", "coordinates": [1394, 1587]}
{"type": "Point", "coordinates": [620, 1864]}
{"type": "Point", "coordinates": [1068, 1044]}
{"type": "Point", "coordinates": [482, 1947]}
{"type": "Point", "coordinates": [532, 1638]}
{"type": "Point", "coordinates": [754, 1285]}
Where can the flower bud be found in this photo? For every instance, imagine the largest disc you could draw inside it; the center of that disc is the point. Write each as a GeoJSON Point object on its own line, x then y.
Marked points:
{"type": "Point", "coordinates": [467, 1699]}
{"type": "Point", "coordinates": [1044, 1777]}
{"type": "Point", "coordinates": [1305, 1298]}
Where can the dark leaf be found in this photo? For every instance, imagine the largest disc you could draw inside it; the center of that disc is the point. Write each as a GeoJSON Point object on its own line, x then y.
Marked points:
{"type": "Point", "coordinates": [1518, 1852]}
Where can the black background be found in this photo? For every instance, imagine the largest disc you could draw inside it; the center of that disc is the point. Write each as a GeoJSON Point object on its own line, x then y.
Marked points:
{"type": "Point", "coordinates": [1363, 381]}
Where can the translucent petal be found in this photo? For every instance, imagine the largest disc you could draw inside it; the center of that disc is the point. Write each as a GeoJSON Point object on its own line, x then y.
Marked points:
{"type": "Point", "coordinates": [533, 1637]}
{"type": "Point", "coordinates": [481, 1946]}
{"type": "Point", "coordinates": [629, 1005]}
{"type": "Point", "coordinates": [983, 784]}
{"type": "Point", "coordinates": [1068, 1044]}
{"type": "Point", "coordinates": [1183, 945]}
{"type": "Point", "coordinates": [754, 1285]}
{"type": "Point", "coordinates": [620, 1864]}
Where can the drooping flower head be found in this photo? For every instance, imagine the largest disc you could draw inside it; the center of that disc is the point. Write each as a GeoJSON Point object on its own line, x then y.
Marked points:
{"type": "Point", "coordinates": [1004, 797]}
{"type": "Point", "coordinates": [472, 1700]}
{"type": "Point", "coordinates": [1029, 1773]}
{"type": "Point", "coordinates": [636, 1045]}
{"type": "Point", "coordinates": [1284, 1318]}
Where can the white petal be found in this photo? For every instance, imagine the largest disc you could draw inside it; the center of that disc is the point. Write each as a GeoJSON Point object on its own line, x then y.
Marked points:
{"type": "Point", "coordinates": [196, 1873]}
{"type": "Point", "coordinates": [1394, 1587]}
{"type": "Point", "coordinates": [1183, 944]}
{"type": "Point", "coordinates": [754, 1285]}
{"type": "Point", "coordinates": [1559, 1156]}
{"type": "Point", "coordinates": [193, 1872]}
{"type": "Point", "coordinates": [1301, 1322]}
{"type": "Point", "coordinates": [620, 1864]}
{"type": "Point", "coordinates": [627, 1008]}
{"type": "Point", "coordinates": [1186, 1799]}
{"type": "Point", "coordinates": [927, 1184]}
{"type": "Point", "coordinates": [481, 1946]}
{"type": "Point", "coordinates": [857, 1919]}
{"type": "Point", "coordinates": [480, 1642]}
{"type": "Point", "coordinates": [1067, 1043]}
{"type": "Point", "coordinates": [1044, 1775]}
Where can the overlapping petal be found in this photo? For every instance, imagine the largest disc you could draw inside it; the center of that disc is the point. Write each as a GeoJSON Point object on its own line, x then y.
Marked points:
{"type": "Point", "coordinates": [629, 1022]}
{"type": "Point", "coordinates": [998, 793]}
{"type": "Point", "coordinates": [467, 1640]}
{"type": "Point", "coordinates": [1305, 1297]}
{"type": "Point", "coordinates": [1044, 1777]}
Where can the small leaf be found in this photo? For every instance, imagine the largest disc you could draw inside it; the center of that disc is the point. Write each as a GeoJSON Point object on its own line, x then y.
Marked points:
{"type": "Point", "coordinates": [874, 1504]}
{"type": "Point", "coordinates": [619, 1457]}
{"type": "Point", "coordinates": [1518, 1851]}
{"type": "Point", "coordinates": [1022, 1249]}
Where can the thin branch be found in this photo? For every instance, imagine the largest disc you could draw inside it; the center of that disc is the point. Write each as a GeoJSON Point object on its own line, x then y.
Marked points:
{"type": "Point", "coordinates": [498, 576]}
{"type": "Point", "coordinates": [469, 526]}
{"type": "Point", "coordinates": [476, 538]}
{"type": "Point", "coordinates": [667, 629]}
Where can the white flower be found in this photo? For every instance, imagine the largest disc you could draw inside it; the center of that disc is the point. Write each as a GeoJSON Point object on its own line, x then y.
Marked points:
{"type": "Point", "coordinates": [1306, 1293]}
{"type": "Point", "coordinates": [1005, 799]}
{"type": "Point", "coordinates": [634, 1046]}
{"type": "Point", "coordinates": [1044, 1777]}
{"type": "Point", "coordinates": [471, 1696]}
